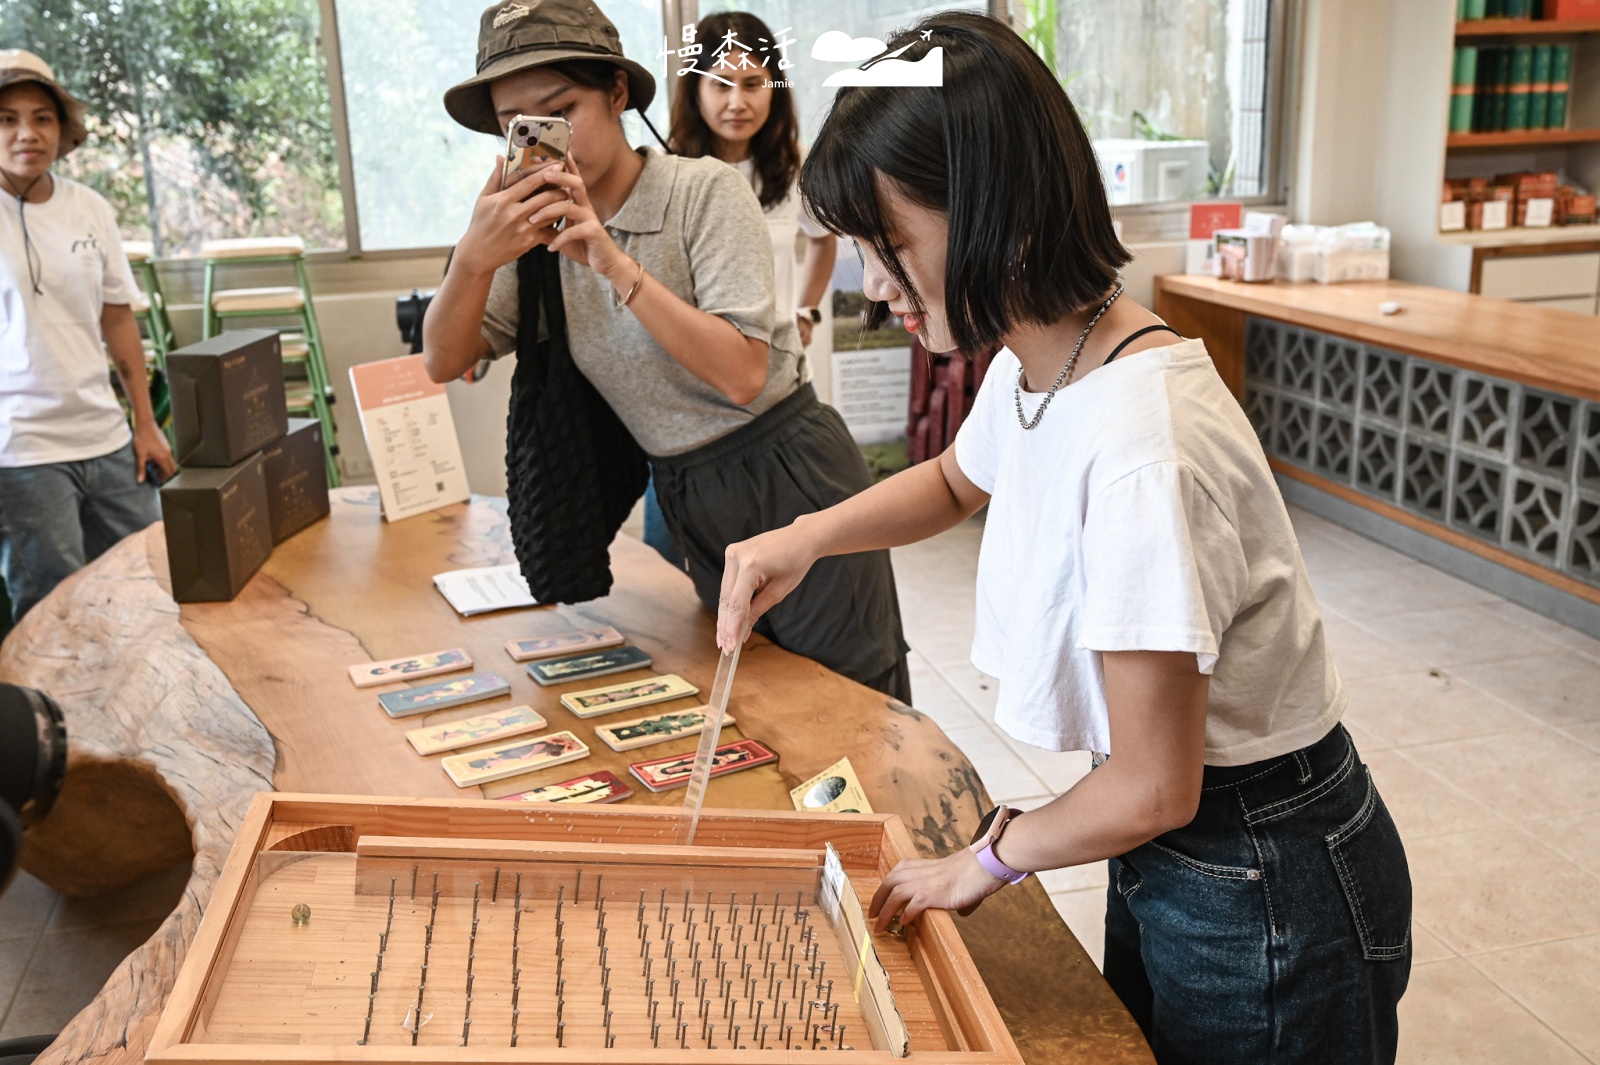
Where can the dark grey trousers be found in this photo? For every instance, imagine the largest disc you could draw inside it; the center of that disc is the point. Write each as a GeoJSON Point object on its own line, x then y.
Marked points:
{"type": "Point", "coordinates": [795, 459]}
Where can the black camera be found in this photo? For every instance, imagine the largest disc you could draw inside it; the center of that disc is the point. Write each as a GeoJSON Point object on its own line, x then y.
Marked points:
{"type": "Point", "coordinates": [33, 762]}
{"type": "Point", "coordinates": [409, 312]}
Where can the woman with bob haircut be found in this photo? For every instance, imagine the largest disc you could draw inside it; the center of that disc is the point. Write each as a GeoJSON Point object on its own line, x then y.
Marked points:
{"type": "Point", "coordinates": [1140, 591]}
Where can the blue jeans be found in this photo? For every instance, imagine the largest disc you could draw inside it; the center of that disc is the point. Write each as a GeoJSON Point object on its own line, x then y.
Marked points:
{"type": "Point", "coordinates": [656, 533]}
{"type": "Point", "coordinates": [1273, 928]}
{"type": "Point", "coordinates": [56, 518]}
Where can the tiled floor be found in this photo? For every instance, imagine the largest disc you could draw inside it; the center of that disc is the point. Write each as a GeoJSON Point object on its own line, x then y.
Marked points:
{"type": "Point", "coordinates": [56, 952]}
{"type": "Point", "coordinates": [1481, 723]}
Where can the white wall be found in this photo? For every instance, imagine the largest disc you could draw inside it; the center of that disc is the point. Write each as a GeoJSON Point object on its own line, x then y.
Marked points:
{"type": "Point", "coordinates": [1370, 126]}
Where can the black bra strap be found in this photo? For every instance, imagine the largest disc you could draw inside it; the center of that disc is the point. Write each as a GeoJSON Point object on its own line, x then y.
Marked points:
{"type": "Point", "coordinates": [1137, 333]}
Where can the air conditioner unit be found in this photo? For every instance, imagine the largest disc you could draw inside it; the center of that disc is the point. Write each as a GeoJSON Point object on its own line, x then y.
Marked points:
{"type": "Point", "coordinates": [1141, 171]}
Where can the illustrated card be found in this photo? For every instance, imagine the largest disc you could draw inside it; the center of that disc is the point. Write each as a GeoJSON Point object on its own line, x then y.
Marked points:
{"type": "Point", "coordinates": [662, 774]}
{"type": "Point", "coordinates": [627, 695]}
{"type": "Point", "coordinates": [369, 674]}
{"type": "Point", "coordinates": [486, 728]}
{"type": "Point", "coordinates": [568, 643]}
{"type": "Point", "coordinates": [593, 664]}
{"type": "Point", "coordinates": [656, 728]}
{"type": "Point", "coordinates": [600, 786]}
{"type": "Point", "coordinates": [835, 790]}
{"type": "Point", "coordinates": [444, 694]}
{"type": "Point", "coordinates": [509, 759]}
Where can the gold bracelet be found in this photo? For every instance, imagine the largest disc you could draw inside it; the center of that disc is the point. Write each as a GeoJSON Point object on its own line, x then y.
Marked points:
{"type": "Point", "coordinates": [623, 302]}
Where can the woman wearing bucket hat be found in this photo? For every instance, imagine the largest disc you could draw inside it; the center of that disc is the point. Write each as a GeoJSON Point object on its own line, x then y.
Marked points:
{"type": "Point", "coordinates": [72, 478]}
{"type": "Point", "coordinates": [666, 303]}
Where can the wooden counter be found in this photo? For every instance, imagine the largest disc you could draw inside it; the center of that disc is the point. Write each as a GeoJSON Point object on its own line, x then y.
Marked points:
{"type": "Point", "coordinates": [1556, 350]}
{"type": "Point", "coordinates": [179, 716]}
{"type": "Point", "coordinates": [1472, 420]}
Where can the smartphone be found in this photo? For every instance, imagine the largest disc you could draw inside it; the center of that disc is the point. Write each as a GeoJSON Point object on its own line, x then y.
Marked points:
{"type": "Point", "coordinates": [530, 139]}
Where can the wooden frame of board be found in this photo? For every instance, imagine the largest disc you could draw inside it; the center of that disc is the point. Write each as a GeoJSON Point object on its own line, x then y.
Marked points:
{"type": "Point", "coordinates": [947, 1011]}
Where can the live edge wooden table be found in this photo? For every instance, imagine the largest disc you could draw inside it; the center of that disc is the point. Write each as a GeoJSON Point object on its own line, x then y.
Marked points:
{"type": "Point", "coordinates": [178, 716]}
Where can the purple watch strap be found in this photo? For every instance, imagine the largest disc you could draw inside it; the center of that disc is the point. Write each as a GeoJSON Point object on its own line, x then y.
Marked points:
{"type": "Point", "coordinates": [996, 868]}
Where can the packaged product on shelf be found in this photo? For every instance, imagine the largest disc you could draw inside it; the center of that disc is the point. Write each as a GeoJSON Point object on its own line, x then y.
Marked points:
{"type": "Point", "coordinates": [1355, 252]}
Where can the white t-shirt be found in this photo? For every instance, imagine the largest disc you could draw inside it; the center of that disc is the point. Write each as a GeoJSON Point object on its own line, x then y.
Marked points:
{"type": "Point", "coordinates": [56, 400]}
{"type": "Point", "coordinates": [786, 220]}
{"type": "Point", "coordinates": [1140, 515]}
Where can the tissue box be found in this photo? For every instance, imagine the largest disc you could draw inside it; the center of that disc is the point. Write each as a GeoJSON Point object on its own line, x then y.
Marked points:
{"type": "Point", "coordinates": [218, 529]}
{"type": "Point", "coordinates": [297, 479]}
{"type": "Point", "coordinates": [227, 397]}
{"type": "Point", "coordinates": [1356, 252]}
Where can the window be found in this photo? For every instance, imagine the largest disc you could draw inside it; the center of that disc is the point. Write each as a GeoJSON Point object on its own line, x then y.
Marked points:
{"type": "Point", "coordinates": [205, 120]}
{"type": "Point", "coordinates": [416, 172]}
{"type": "Point", "coordinates": [214, 119]}
{"type": "Point", "coordinates": [1178, 97]}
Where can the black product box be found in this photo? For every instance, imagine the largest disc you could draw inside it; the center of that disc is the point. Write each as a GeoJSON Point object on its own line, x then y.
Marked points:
{"type": "Point", "coordinates": [218, 531]}
{"type": "Point", "coordinates": [297, 479]}
{"type": "Point", "coordinates": [227, 397]}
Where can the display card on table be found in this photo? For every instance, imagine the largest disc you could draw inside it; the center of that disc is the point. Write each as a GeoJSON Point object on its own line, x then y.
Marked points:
{"type": "Point", "coordinates": [601, 786]}
{"type": "Point", "coordinates": [568, 643]}
{"type": "Point", "coordinates": [835, 790]}
{"type": "Point", "coordinates": [594, 664]}
{"type": "Point", "coordinates": [593, 702]}
{"type": "Point", "coordinates": [406, 420]}
{"type": "Point", "coordinates": [656, 728]}
{"type": "Point", "coordinates": [663, 774]}
{"type": "Point", "coordinates": [510, 759]}
{"type": "Point", "coordinates": [485, 728]}
{"type": "Point", "coordinates": [444, 694]}
{"type": "Point", "coordinates": [412, 667]}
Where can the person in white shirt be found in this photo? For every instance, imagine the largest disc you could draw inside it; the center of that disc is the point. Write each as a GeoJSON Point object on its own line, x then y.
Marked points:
{"type": "Point", "coordinates": [73, 479]}
{"type": "Point", "coordinates": [1140, 590]}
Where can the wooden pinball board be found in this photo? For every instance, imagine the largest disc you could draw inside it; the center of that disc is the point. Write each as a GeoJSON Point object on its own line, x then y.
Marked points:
{"type": "Point", "coordinates": [362, 930]}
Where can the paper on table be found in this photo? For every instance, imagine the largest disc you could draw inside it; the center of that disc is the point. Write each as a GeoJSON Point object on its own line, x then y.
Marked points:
{"type": "Point", "coordinates": [485, 588]}
{"type": "Point", "coordinates": [716, 711]}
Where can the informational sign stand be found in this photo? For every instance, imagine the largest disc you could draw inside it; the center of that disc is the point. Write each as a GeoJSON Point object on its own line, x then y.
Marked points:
{"type": "Point", "coordinates": [406, 420]}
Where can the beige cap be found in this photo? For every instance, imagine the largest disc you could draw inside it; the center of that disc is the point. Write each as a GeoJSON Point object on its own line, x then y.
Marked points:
{"type": "Point", "coordinates": [17, 65]}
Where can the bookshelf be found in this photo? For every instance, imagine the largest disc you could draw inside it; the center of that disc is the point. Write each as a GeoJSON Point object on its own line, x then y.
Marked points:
{"type": "Point", "coordinates": [1510, 27]}
{"type": "Point", "coordinates": [1523, 138]}
{"type": "Point", "coordinates": [1515, 129]}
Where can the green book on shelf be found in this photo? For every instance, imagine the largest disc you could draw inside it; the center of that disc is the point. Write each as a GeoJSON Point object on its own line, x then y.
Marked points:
{"type": "Point", "coordinates": [1475, 9]}
{"type": "Point", "coordinates": [1560, 77]}
{"type": "Point", "coordinates": [1463, 88]}
{"type": "Point", "coordinates": [1502, 90]}
{"type": "Point", "coordinates": [1483, 99]}
{"type": "Point", "coordinates": [1539, 98]}
{"type": "Point", "coordinates": [1521, 87]}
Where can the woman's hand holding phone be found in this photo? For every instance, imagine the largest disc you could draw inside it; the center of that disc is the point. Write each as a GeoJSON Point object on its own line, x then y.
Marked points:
{"type": "Point", "coordinates": [582, 238]}
{"type": "Point", "coordinates": [503, 226]}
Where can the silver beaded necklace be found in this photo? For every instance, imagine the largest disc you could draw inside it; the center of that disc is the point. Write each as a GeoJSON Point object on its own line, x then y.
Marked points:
{"type": "Point", "coordinates": [1066, 371]}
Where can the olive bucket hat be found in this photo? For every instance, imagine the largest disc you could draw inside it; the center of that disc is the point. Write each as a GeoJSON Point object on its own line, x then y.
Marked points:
{"type": "Point", "coordinates": [17, 66]}
{"type": "Point", "coordinates": [522, 34]}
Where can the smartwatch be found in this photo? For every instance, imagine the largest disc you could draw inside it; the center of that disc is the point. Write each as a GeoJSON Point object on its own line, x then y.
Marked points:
{"type": "Point", "coordinates": [810, 314]}
{"type": "Point", "coordinates": [989, 832]}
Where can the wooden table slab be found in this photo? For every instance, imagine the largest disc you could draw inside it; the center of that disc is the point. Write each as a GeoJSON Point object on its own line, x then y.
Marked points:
{"type": "Point", "coordinates": [178, 716]}
{"type": "Point", "coordinates": [1556, 350]}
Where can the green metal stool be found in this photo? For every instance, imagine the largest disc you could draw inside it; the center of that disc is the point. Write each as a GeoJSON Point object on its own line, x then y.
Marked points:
{"type": "Point", "coordinates": [310, 395]}
{"type": "Point", "coordinates": [152, 311]}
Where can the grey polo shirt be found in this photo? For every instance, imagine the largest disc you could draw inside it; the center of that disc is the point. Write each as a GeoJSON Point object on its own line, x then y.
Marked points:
{"type": "Point", "coordinates": [698, 228]}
